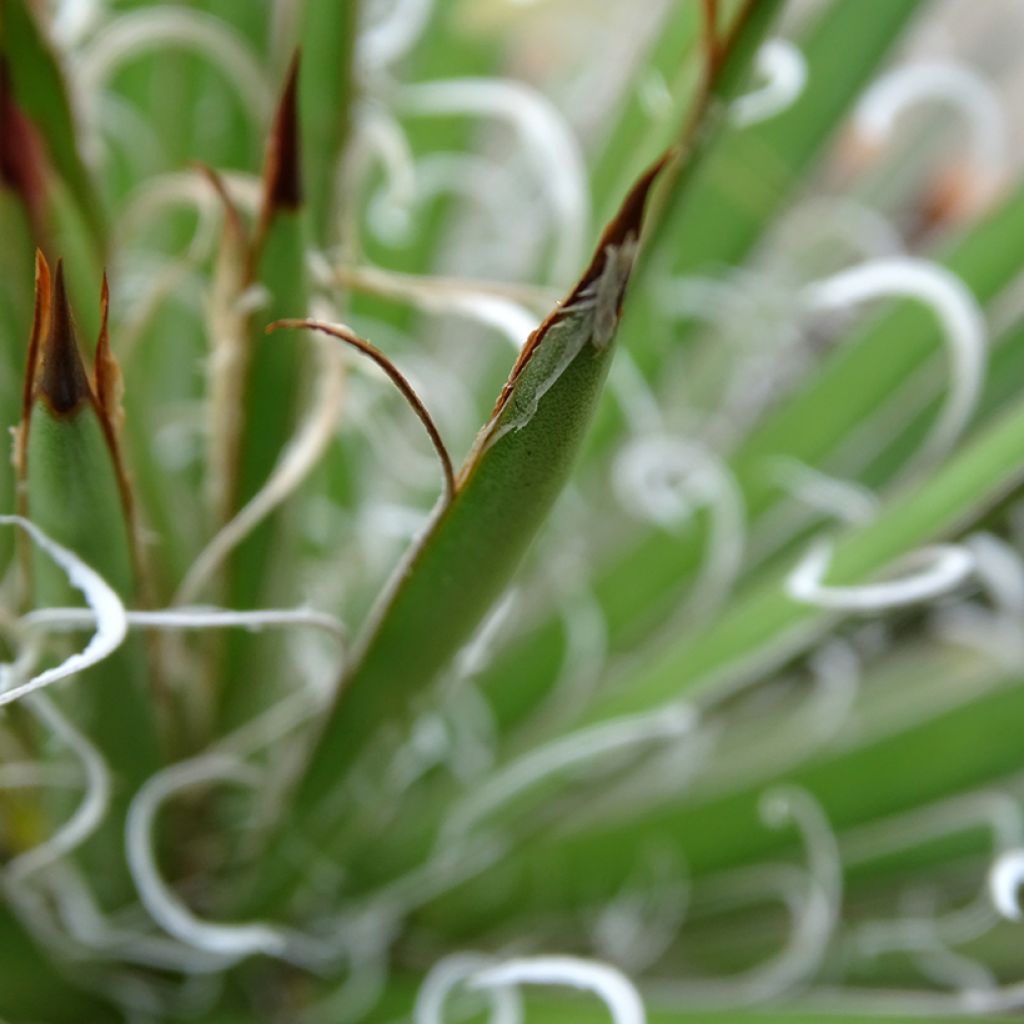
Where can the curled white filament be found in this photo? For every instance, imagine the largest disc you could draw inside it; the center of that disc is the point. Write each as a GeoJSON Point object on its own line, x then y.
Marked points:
{"type": "Point", "coordinates": [945, 567]}
{"type": "Point", "coordinates": [846, 500]}
{"type": "Point", "coordinates": [948, 82]}
{"type": "Point", "coordinates": [379, 136]}
{"type": "Point", "coordinates": [297, 459]}
{"type": "Point", "coordinates": [1004, 883]}
{"type": "Point", "coordinates": [73, 20]}
{"type": "Point", "coordinates": [664, 479]}
{"type": "Point", "coordinates": [558, 160]}
{"type": "Point", "coordinates": [451, 972]}
{"type": "Point", "coordinates": [106, 606]}
{"type": "Point", "coordinates": [163, 26]}
{"type": "Point", "coordinates": [90, 811]}
{"type": "Point", "coordinates": [608, 983]}
{"type": "Point", "coordinates": [230, 942]}
{"type": "Point", "coordinates": [388, 39]}
{"type": "Point", "coordinates": [784, 69]}
{"type": "Point", "coordinates": [958, 313]}
{"type": "Point", "coordinates": [786, 804]}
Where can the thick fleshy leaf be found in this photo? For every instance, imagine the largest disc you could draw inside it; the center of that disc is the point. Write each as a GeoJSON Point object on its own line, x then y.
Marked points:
{"type": "Point", "coordinates": [75, 491]}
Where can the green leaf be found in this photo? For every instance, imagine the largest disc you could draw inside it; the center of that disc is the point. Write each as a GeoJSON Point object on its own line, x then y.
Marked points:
{"type": "Point", "coordinates": [40, 88]}
{"type": "Point", "coordinates": [768, 625]}
{"type": "Point", "coordinates": [76, 493]}
{"type": "Point", "coordinates": [504, 491]}
{"type": "Point", "coordinates": [645, 581]}
{"type": "Point", "coordinates": [34, 990]}
{"type": "Point", "coordinates": [517, 468]}
{"type": "Point", "coordinates": [325, 101]}
{"type": "Point", "coordinates": [754, 171]}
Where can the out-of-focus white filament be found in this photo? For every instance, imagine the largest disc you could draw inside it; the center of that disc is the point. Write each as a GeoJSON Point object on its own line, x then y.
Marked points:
{"type": "Point", "coordinates": [785, 804]}
{"type": "Point", "coordinates": [440, 295]}
{"type": "Point", "coordinates": [946, 82]}
{"type": "Point", "coordinates": [664, 479]}
{"type": "Point", "coordinates": [958, 313]}
{"type": "Point", "coordinates": [1004, 883]}
{"type": "Point", "coordinates": [90, 811]}
{"type": "Point", "coordinates": [297, 460]}
{"type": "Point", "coordinates": [195, 617]}
{"type": "Point", "coordinates": [188, 188]}
{"type": "Point", "coordinates": [784, 69]}
{"type": "Point", "coordinates": [547, 141]}
{"type": "Point", "coordinates": [845, 500]}
{"type": "Point", "coordinates": [386, 40]}
{"type": "Point", "coordinates": [230, 942]}
{"type": "Point", "coordinates": [73, 20]}
{"type": "Point", "coordinates": [608, 983]}
{"type": "Point", "coordinates": [111, 621]}
{"type": "Point", "coordinates": [451, 972]}
{"type": "Point", "coordinates": [566, 754]}
{"type": "Point", "coordinates": [865, 231]}
{"type": "Point", "coordinates": [945, 567]}
{"type": "Point", "coordinates": [163, 26]}
{"type": "Point", "coordinates": [379, 136]}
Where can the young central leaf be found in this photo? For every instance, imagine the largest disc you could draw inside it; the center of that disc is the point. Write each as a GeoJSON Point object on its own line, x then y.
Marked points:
{"type": "Point", "coordinates": [506, 488]}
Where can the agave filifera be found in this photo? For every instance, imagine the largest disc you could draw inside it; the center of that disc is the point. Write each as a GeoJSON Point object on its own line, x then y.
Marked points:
{"type": "Point", "coordinates": [686, 671]}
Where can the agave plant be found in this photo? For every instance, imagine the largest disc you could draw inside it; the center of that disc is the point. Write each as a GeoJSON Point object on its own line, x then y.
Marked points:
{"type": "Point", "coordinates": [674, 671]}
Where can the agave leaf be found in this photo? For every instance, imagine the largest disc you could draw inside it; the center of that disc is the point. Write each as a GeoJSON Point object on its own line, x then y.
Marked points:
{"type": "Point", "coordinates": [75, 490]}
{"type": "Point", "coordinates": [505, 490]}
{"type": "Point", "coordinates": [477, 538]}
{"type": "Point", "coordinates": [278, 264]}
{"type": "Point", "coordinates": [325, 99]}
{"type": "Point", "coordinates": [754, 171]}
{"type": "Point", "coordinates": [882, 774]}
{"type": "Point", "coordinates": [510, 480]}
{"type": "Point", "coordinates": [766, 621]}
{"type": "Point", "coordinates": [274, 377]}
{"type": "Point", "coordinates": [15, 324]}
{"type": "Point", "coordinates": [764, 628]}
{"type": "Point", "coordinates": [646, 580]}
{"type": "Point", "coordinates": [40, 87]}
{"type": "Point", "coordinates": [272, 371]}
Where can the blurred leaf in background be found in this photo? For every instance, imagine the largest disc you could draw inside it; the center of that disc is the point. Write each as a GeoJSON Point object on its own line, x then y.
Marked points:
{"type": "Point", "coordinates": [537, 534]}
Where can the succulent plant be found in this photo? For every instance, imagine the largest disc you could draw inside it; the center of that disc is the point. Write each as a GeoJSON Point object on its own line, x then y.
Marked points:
{"type": "Point", "coordinates": [632, 629]}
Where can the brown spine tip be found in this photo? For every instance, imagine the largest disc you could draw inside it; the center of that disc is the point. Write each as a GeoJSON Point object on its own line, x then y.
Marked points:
{"type": "Point", "coordinates": [282, 172]}
{"type": "Point", "coordinates": [233, 223]}
{"type": "Point", "coordinates": [621, 230]}
{"type": "Point", "coordinates": [62, 381]}
{"type": "Point", "coordinates": [107, 383]}
{"type": "Point", "coordinates": [40, 326]}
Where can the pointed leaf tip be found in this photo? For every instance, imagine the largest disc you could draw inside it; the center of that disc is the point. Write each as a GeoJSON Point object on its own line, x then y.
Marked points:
{"type": "Point", "coordinates": [62, 381]}
{"type": "Point", "coordinates": [604, 280]}
{"type": "Point", "coordinates": [40, 326]}
{"type": "Point", "coordinates": [283, 181]}
{"type": "Point", "coordinates": [108, 383]}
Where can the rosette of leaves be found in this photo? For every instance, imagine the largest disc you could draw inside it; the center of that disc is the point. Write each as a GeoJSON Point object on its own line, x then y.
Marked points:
{"type": "Point", "coordinates": [666, 665]}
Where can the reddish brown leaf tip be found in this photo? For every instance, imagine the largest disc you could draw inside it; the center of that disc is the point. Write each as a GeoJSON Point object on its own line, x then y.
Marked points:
{"type": "Point", "coordinates": [22, 163]}
{"type": "Point", "coordinates": [40, 321]}
{"type": "Point", "coordinates": [101, 375]}
{"type": "Point", "coordinates": [283, 173]}
{"type": "Point", "coordinates": [624, 227]}
{"type": "Point", "coordinates": [62, 381]}
{"type": "Point", "coordinates": [232, 218]}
